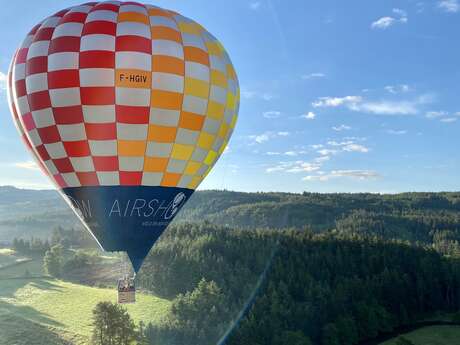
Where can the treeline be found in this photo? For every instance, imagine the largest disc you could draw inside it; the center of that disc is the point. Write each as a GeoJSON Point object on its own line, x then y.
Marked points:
{"type": "Point", "coordinates": [314, 210]}
{"type": "Point", "coordinates": [72, 238]}
{"type": "Point", "coordinates": [32, 246]}
{"type": "Point", "coordinates": [67, 238]}
{"type": "Point", "coordinates": [425, 218]}
{"type": "Point", "coordinates": [328, 289]}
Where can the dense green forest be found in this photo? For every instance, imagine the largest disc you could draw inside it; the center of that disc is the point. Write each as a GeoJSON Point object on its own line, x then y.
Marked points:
{"type": "Point", "coordinates": [325, 289]}
{"type": "Point", "coordinates": [327, 269]}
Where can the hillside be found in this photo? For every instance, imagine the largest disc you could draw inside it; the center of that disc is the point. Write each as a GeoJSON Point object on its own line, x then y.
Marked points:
{"type": "Point", "coordinates": [429, 218]}
{"type": "Point", "coordinates": [324, 268]}
{"type": "Point", "coordinates": [36, 309]}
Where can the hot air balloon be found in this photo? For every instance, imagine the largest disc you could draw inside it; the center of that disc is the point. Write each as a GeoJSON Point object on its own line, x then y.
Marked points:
{"type": "Point", "coordinates": [126, 107]}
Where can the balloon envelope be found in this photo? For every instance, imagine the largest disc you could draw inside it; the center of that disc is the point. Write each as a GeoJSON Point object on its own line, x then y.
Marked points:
{"type": "Point", "coordinates": [126, 107]}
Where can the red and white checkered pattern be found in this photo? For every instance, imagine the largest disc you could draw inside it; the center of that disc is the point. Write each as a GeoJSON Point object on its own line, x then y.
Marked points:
{"type": "Point", "coordinates": [121, 93]}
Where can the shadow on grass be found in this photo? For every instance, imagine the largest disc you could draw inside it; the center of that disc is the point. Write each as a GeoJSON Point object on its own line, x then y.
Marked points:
{"type": "Point", "coordinates": [46, 284]}
{"type": "Point", "coordinates": [28, 313]}
{"type": "Point", "coordinates": [9, 287]}
{"type": "Point", "coordinates": [17, 330]}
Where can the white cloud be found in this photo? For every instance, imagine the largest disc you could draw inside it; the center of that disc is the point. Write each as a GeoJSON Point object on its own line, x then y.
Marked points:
{"type": "Point", "coordinates": [387, 21]}
{"type": "Point", "coordinates": [386, 107]}
{"type": "Point", "coordinates": [336, 143]}
{"type": "Point", "coordinates": [383, 23]}
{"type": "Point", "coordinates": [295, 167]}
{"type": "Point", "coordinates": [355, 148]}
{"type": "Point", "coordinates": [29, 165]}
{"type": "Point", "coordinates": [290, 153]}
{"type": "Point", "coordinates": [27, 184]}
{"type": "Point", "coordinates": [397, 132]}
{"type": "Point", "coordinates": [348, 146]}
{"type": "Point", "coordinates": [261, 138]}
{"type": "Point", "coordinates": [272, 114]}
{"type": "Point", "coordinates": [322, 159]}
{"type": "Point", "coordinates": [255, 5]}
{"type": "Point", "coordinates": [399, 12]}
{"type": "Point", "coordinates": [451, 6]}
{"type": "Point", "coordinates": [250, 94]}
{"type": "Point", "coordinates": [327, 152]}
{"type": "Point", "coordinates": [395, 89]}
{"type": "Point", "coordinates": [383, 107]}
{"type": "Point", "coordinates": [357, 174]}
{"type": "Point", "coordinates": [313, 76]}
{"type": "Point", "coordinates": [316, 146]}
{"type": "Point", "coordinates": [336, 101]}
{"type": "Point", "coordinates": [443, 116]}
{"type": "Point", "coordinates": [3, 81]}
{"type": "Point", "coordinates": [309, 116]}
{"type": "Point", "coordinates": [264, 137]}
{"type": "Point", "coordinates": [274, 169]}
{"type": "Point", "coordinates": [435, 114]}
{"type": "Point", "coordinates": [341, 128]}
{"type": "Point", "coordinates": [449, 119]}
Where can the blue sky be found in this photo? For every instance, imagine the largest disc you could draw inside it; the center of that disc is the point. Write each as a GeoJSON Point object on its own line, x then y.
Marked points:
{"type": "Point", "coordinates": [336, 96]}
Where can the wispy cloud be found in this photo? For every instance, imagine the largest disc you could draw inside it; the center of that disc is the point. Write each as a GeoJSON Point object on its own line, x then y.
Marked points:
{"type": "Point", "coordinates": [266, 136]}
{"type": "Point", "coordinates": [357, 174]}
{"type": "Point", "coordinates": [383, 23]}
{"type": "Point", "coordinates": [435, 114]}
{"type": "Point", "coordinates": [29, 165]}
{"type": "Point", "coordinates": [400, 16]}
{"type": "Point", "coordinates": [292, 153]}
{"type": "Point", "coordinates": [327, 152]}
{"type": "Point", "coordinates": [255, 5]}
{"type": "Point", "coordinates": [395, 89]}
{"type": "Point", "coordinates": [356, 148]}
{"type": "Point", "coordinates": [3, 81]}
{"type": "Point", "coordinates": [271, 114]}
{"type": "Point", "coordinates": [449, 119]}
{"type": "Point", "coordinates": [341, 128]}
{"type": "Point", "coordinates": [349, 146]}
{"type": "Point", "coordinates": [294, 167]}
{"type": "Point", "coordinates": [309, 116]}
{"type": "Point", "coordinates": [452, 6]}
{"type": "Point", "coordinates": [442, 116]}
{"type": "Point", "coordinates": [399, 12]}
{"type": "Point", "coordinates": [336, 101]}
{"type": "Point", "coordinates": [397, 132]}
{"type": "Point", "coordinates": [26, 184]}
{"type": "Point", "coordinates": [314, 166]}
{"type": "Point", "coordinates": [313, 76]}
{"type": "Point", "coordinates": [382, 107]}
{"type": "Point", "coordinates": [252, 94]}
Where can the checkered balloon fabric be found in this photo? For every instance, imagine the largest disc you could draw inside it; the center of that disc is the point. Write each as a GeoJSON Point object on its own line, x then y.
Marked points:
{"type": "Point", "coordinates": [123, 94]}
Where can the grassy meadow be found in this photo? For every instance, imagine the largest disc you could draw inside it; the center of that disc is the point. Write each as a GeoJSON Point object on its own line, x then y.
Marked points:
{"type": "Point", "coordinates": [433, 335]}
{"type": "Point", "coordinates": [43, 310]}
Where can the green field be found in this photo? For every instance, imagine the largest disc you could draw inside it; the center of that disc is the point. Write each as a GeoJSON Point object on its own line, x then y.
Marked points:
{"type": "Point", "coordinates": [49, 311]}
{"type": "Point", "coordinates": [433, 335]}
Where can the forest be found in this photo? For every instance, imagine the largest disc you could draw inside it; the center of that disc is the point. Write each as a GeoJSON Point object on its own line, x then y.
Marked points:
{"type": "Point", "coordinates": [324, 269]}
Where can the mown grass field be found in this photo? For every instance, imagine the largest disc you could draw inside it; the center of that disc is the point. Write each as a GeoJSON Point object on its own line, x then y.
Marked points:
{"type": "Point", "coordinates": [433, 335]}
{"type": "Point", "coordinates": [49, 311]}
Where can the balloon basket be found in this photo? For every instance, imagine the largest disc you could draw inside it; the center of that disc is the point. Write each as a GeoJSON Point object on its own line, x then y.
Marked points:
{"type": "Point", "coordinates": [126, 290]}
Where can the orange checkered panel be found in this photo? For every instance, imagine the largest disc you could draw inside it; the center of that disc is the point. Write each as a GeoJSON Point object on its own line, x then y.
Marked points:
{"type": "Point", "coordinates": [122, 93]}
